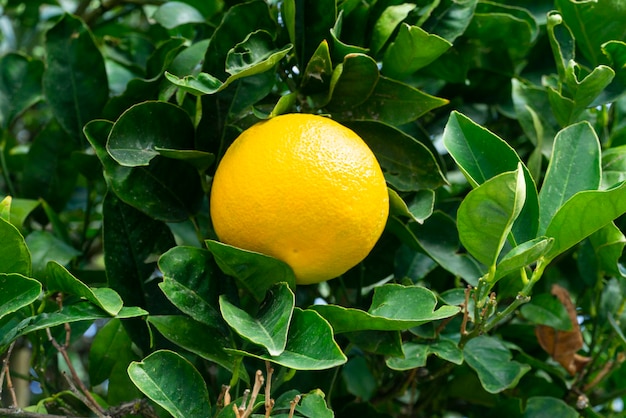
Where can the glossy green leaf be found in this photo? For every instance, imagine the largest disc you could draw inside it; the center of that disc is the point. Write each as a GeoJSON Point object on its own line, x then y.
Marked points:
{"type": "Point", "coordinates": [207, 341]}
{"type": "Point", "coordinates": [505, 27]}
{"type": "Point", "coordinates": [415, 354]}
{"type": "Point", "coordinates": [146, 126]}
{"type": "Point", "coordinates": [167, 190]}
{"type": "Point", "coordinates": [353, 81]}
{"type": "Point", "coordinates": [481, 155]}
{"type": "Point", "coordinates": [491, 360]}
{"type": "Point", "coordinates": [253, 271]}
{"type": "Point", "coordinates": [317, 74]}
{"type": "Point", "coordinates": [394, 307]}
{"type": "Point", "coordinates": [419, 209]}
{"type": "Point", "coordinates": [20, 86]}
{"type": "Point", "coordinates": [407, 164]}
{"type": "Point", "coordinates": [5, 208]}
{"type": "Point", "coordinates": [237, 23]}
{"type": "Point", "coordinates": [111, 346]}
{"type": "Point", "coordinates": [574, 167]}
{"type": "Point", "coordinates": [81, 311]}
{"type": "Point", "coordinates": [17, 291]}
{"type": "Point", "coordinates": [14, 254]}
{"type": "Point", "coordinates": [59, 279]}
{"type": "Point", "coordinates": [188, 283]}
{"type": "Point", "coordinates": [313, 405]}
{"type": "Point", "coordinates": [589, 23]}
{"type": "Point", "coordinates": [450, 19]}
{"type": "Point", "coordinates": [242, 62]}
{"type": "Point", "coordinates": [175, 13]}
{"type": "Point", "coordinates": [547, 407]}
{"type": "Point", "coordinates": [582, 215]}
{"type": "Point", "coordinates": [386, 24]}
{"type": "Point", "coordinates": [340, 49]}
{"type": "Point", "coordinates": [523, 255]}
{"type": "Point", "coordinates": [545, 309]}
{"type": "Point", "coordinates": [182, 391]}
{"type": "Point", "coordinates": [438, 238]}
{"type": "Point", "coordinates": [310, 344]}
{"type": "Point", "coordinates": [200, 160]}
{"type": "Point", "coordinates": [394, 103]}
{"type": "Point", "coordinates": [486, 215]}
{"type": "Point", "coordinates": [76, 92]}
{"type": "Point", "coordinates": [269, 326]}
{"type": "Point", "coordinates": [412, 49]}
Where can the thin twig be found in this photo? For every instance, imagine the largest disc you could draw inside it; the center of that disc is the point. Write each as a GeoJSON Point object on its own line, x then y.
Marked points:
{"type": "Point", "coordinates": [269, 402]}
{"type": "Point", "coordinates": [83, 398]}
{"type": "Point", "coordinates": [258, 383]}
{"type": "Point", "coordinates": [293, 405]}
{"type": "Point", "coordinates": [468, 289]}
{"type": "Point", "coordinates": [5, 371]}
{"type": "Point", "coordinates": [91, 402]}
{"type": "Point", "coordinates": [18, 413]}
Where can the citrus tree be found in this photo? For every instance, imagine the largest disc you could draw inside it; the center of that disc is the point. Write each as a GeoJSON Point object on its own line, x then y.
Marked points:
{"type": "Point", "coordinates": [496, 288]}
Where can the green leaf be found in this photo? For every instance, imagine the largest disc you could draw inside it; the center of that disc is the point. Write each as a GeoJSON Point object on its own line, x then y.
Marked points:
{"type": "Point", "coordinates": [582, 215]}
{"type": "Point", "coordinates": [59, 279]}
{"type": "Point", "coordinates": [450, 19]}
{"type": "Point", "coordinates": [17, 291]}
{"type": "Point", "coordinates": [420, 208]}
{"type": "Point", "coordinates": [486, 215]}
{"type": "Point", "coordinates": [491, 360]}
{"type": "Point", "coordinates": [394, 308]}
{"type": "Point", "coordinates": [412, 49]}
{"type": "Point", "coordinates": [613, 166]}
{"type": "Point", "coordinates": [359, 380]}
{"type": "Point", "coordinates": [482, 155]}
{"type": "Point", "coordinates": [237, 23]}
{"type": "Point", "coordinates": [608, 245]}
{"type": "Point", "coordinates": [439, 239]}
{"type": "Point", "coordinates": [270, 325]}
{"type": "Point", "coordinates": [394, 103]}
{"type": "Point", "coordinates": [189, 284]}
{"type": "Point", "coordinates": [167, 190]}
{"type": "Point", "coordinates": [310, 344]}
{"type": "Point", "coordinates": [51, 173]}
{"type": "Point", "coordinates": [255, 54]}
{"type": "Point", "coordinates": [574, 167]}
{"type": "Point", "coordinates": [175, 13]}
{"type": "Point", "coordinates": [146, 126]}
{"type": "Point", "coordinates": [131, 240]}
{"type": "Point", "coordinates": [341, 49]}
{"type": "Point", "coordinates": [547, 407]}
{"type": "Point", "coordinates": [387, 343]}
{"type": "Point", "coordinates": [591, 24]}
{"type": "Point", "coordinates": [185, 332]}
{"type": "Point", "coordinates": [14, 254]}
{"type": "Point", "coordinates": [545, 309]}
{"type": "Point", "coordinates": [313, 20]}
{"type": "Point", "coordinates": [407, 164]}
{"type": "Point", "coordinates": [81, 311]}
{"type": "Point", "coordinates": [20, 86]}
{"type": "Point", "coordinates": [76, 92]}
{"type": "Point", "coordinates": [111, 346]}
{"type": "Point", "coordinates": [253, 271]}
{"type": "Point", "coordinates": [386, 24]}
{"type": "Point", "coordinates": [45, 247]}
{"type": "Point", "coordinates": [523, 255]}
{"type": "Point", "coordinates": [415, 355]}
{"type": "Point", "coordinates": [313, 405]}
{"type": "Point", "coordinates": [181, 391]}
{"type": "Point", "coordinates": [353, 81]}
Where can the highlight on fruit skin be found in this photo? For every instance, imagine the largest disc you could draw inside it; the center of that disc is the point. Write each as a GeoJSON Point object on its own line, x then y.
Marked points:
{"type": "Point", "coordinates": [304, 189]}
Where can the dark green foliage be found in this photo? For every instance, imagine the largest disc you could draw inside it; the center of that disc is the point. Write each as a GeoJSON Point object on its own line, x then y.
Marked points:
{"type": "Point", "coordinates": [501, 131]}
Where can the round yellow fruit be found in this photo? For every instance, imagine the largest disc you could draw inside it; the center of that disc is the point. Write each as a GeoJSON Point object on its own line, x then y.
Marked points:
{"type": "Point", "coordinates": [303, 189]}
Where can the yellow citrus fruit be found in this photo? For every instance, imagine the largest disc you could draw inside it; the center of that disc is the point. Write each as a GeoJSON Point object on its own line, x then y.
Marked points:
{"type": "Point", "coordinates": [303, 189]}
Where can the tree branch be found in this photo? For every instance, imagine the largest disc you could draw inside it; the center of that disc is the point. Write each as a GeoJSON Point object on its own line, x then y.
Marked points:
{"type": "Point", "coordinates": [18, 413]}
